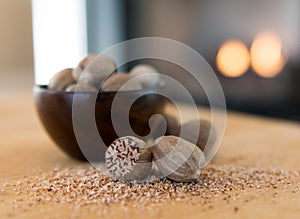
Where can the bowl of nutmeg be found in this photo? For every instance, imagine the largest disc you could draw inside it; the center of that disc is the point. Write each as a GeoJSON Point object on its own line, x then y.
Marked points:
{"type": "Point", "coordinates": [96, 78]}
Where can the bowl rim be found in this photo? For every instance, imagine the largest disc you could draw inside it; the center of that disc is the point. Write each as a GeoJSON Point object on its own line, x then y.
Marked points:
{"type": "Point", "coordinates": [45, 89]}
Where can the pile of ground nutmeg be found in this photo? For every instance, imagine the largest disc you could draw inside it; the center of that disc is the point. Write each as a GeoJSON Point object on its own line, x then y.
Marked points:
{"type": "Point", "coordinates": [82, 186]}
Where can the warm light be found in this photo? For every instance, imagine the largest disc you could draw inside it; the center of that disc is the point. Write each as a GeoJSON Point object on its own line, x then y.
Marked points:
{"type": "Point", "coordinates": [266, 56]}
{"type": "Point", "coordinates": [233, 58]}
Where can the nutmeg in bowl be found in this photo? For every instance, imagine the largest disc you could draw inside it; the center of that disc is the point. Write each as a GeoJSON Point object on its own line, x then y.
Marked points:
{"type": "Point", "coordinates": [55, 112]}
{"type": "Point", "coordinates": [96, 83]}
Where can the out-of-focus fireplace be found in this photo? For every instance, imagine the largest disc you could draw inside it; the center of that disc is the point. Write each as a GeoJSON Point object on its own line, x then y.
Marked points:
{"type": "Point", "coordinates": [253, 46]}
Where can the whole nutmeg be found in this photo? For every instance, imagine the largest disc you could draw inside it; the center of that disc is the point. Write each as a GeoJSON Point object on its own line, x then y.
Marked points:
{"type": "Point", "coordinates": [200, 138]}
{"type": "Point", "coordinates": [163, 125]}
{"type": "Point", "coordinates": [80, 87]}
{"type": "Point", "coordinates": [172, 124]}
{"type": "Point", "coordinates": [116, 81]}
{"type": "Point", "coordinates": [128, 159]}
{"type": "Point", "coordinates": [61, 80]}
{"type": "Point", "coordinates": [147, 81]}
{"type": "Point", "coordinates": [178, 159]}
{"type": "Point", "coordinates": [82, 66]}
{"type": "Point", "coordinates": [95, 68]}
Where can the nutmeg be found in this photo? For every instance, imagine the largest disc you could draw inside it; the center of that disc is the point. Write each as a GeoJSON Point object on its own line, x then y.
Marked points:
{"type": "Point", "coordinates": [178, 159]}
{"type": "Point", "coordinates": [61, 80]}
{"type": "Point", "coordinates": [128, 159]}
{"type": "Point", "coordinates": [82, 66]}
{"type": "Point", "coordinates": [172, 124]}
{"type": "Point", "coordinates": [95, 68]}
{"type": "Point", "coordinates": [200, 138]}
{"type": "Point", "coordinates": [147, 81]}
{"type": "Point", "coordinates": [80, 87]}
{"type": "Point", "coordinates": [116, 81]}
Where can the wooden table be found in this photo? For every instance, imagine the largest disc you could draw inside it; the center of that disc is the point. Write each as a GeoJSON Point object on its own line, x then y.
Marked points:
{"type": "Point", "coordinates": [248, 140]}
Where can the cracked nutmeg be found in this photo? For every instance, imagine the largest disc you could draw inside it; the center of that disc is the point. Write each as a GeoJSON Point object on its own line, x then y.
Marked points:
{"type": "Point", "coordinates": [128, 159]}
{"type": "Point", "coordinates": [178, 159]}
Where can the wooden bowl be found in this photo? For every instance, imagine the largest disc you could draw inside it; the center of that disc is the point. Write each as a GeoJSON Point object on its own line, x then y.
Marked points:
{"type": "Point", "coordinates": [55, 112]}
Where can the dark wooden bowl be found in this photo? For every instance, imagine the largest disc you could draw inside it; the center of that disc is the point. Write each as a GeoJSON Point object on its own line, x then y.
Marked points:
{"type": "Point", "coordinates": [55, 112]}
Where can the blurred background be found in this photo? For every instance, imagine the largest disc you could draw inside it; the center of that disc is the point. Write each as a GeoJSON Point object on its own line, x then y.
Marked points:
{"type": "Point", "coordinates": [16, 47]}
{"type": "Point", "coordinates": [253, 46]}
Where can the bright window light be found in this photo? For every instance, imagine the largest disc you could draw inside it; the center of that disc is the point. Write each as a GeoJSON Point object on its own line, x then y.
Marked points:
{"type": "Point", "coordinates": [59, 36]}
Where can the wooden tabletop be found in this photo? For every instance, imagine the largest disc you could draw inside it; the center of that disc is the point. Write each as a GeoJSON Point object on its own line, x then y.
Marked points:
{"type": "Point", "coordinates": [249, 140]}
